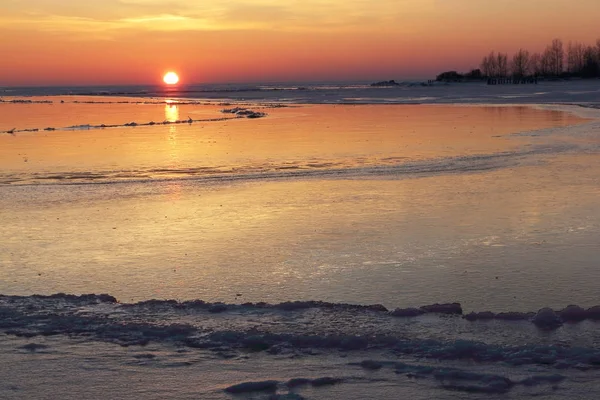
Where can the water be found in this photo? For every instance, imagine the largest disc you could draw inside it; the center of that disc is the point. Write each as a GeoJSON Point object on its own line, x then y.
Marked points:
{"type": "Point", "coordinates": [398, 205]}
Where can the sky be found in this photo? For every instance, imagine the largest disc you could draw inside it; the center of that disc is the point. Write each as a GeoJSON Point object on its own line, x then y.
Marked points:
{"type": "Point", "coordinates": [76, 42]}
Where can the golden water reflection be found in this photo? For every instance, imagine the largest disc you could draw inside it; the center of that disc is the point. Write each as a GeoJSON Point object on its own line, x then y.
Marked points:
{"type": "Point", "coordinates": [171, 112]}
{"type": "Point", "coordinates": [294, 138]}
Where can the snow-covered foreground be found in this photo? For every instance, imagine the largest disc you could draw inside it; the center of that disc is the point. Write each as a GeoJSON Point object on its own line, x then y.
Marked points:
{"type": "Point", "coordinates": [94, 347]}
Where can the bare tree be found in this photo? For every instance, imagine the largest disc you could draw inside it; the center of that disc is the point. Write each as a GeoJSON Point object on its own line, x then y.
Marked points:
{"type": "Point", "coordinates": [556, 57]}
{"type": "Point", "coordinates": [535, 64]}
{"type": "Point", "coordinates": [520, 63]}
{"type": "Point", "coordinates": [580, 61]}
{"type": "Point", "coordinates": [489, 65]}
{"type": "Point", "coordinates": [575, 57]}
{"type": "Point", "coordinates": [591, 63]}
{"type": "Point", "coordinates": [502, 64]}
{"type": "Point", "coordinates": [547, 63]}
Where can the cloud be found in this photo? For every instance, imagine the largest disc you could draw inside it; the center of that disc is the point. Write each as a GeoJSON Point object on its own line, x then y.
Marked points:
{"type": "Point", "coordinates": [160, 15]}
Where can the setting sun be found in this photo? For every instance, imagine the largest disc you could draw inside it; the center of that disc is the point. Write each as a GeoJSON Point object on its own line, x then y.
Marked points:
{"type": "Point", "coordinates": [171, 78]}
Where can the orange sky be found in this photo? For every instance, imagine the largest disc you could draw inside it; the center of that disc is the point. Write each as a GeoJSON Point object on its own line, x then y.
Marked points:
{"type": "Point", "coordinates": [53, 42]}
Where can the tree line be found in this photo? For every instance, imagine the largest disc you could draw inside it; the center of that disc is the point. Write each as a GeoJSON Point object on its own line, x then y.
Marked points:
{"type": "Point", "coordinates": [577, 60]}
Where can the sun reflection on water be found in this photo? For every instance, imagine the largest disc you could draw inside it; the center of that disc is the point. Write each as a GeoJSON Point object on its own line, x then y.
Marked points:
{"type": "Point", "coordinates": [172, 115]}
{"type": "Point", "coordinates": [171, 112]}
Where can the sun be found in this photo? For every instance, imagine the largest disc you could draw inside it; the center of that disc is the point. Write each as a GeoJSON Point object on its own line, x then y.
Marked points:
{"type": "Point", "coordinates": [171, 78]}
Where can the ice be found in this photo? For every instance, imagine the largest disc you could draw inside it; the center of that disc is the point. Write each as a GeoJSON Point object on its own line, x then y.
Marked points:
{"type": "Point", "coordinates": [407, 312]}
{"type": "Point", "coordinates": [288, 396]}
{"type": "Point", "coordinates": [485, 315]}
{"type": "Point", "coordinates": [258, 328]}
{"type": "Point", "coordinates": [34, 347]}
{"type": "Point", "coordinates": [594, 313]}
{"type": "Point", "coordinates": [454, 308]}
{"type": "Point", "coordinates": [247, 387]}
{"type": "Point", "coordinates": [573, 314]}
{"type": "Point", "coordinates": [325, 381]}
{"type": "Point", "coordinates": [546, 318]}
{"type": "Point", "coordinates": [244, 112]}
{"type": "Point", "coordinates": [464, 380]}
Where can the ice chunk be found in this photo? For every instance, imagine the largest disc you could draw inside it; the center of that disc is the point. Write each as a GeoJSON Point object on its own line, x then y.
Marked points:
{"type": "Point", "coordinates": [295, 382]}
{"type": "Point", "coordinates": [34, 347]}
{"type": "Point", "coordinates": [372, 365]}
{"type": "Point", "coordinates": [217, 308]}
{"type": "Point", "coordinates": [450, 308]}
{"type": "Point", "coordinates": [514, 316]}
{"type": "Point", "coordinates": [546, 318]}
{"type": "Point", "coordinates": [573, 314]}
{"type": "Point", "coordinates": [594, 313]}
{"type": "Point", "coordinates": [289, 396]}
{"type": "Point", "coordinates": [246, 387]}
{"type": "Point", "coordinates": [485, 315]}
{"type": "Point", "coordinates": [407, 312]}
{"type": "Point", "coordinates": [325, 381]}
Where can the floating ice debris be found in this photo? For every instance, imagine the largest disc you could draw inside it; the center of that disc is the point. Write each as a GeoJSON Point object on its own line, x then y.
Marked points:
{"type": "Point", "coordinates": [147, 356]}
{"type": "Point", "coordinates": [232, 110]}
{"type": "Point", "coordinates": [133, 124]}
{"type": "Point", "coordinates": [295, 382]}
{"type": "Point", "coordinates": [243, 112]}
{"type": "Point", "coordinates": [80, 127]}
{"type": "Point", "coordinates": [407, 312]}
{"type": "Point", "coordinates": [86, 317]}
{"type": "Point", "coordinates": [21, 101]}
{"type": "Point", "coordinates": [462, 380]}
{"type": "Point", "coordinates": [34, 347]}
{"type": "Point", "coordinates": [546, 318]}
{"type": "Point", "coordinates": [593, 313]}
{"type": "Point", "coordinates": [217, 308]}
{"type": "Point", "coordinates": [486, 315]}
{"type": "Point", "coordinates": [573, 314]}
{"type": "Point", "coordinates": [541, 379]}
{"type": "Point", "coordinates": [287, 396]}
{"type": "Point", "coordinates": [302, 305]}
{"type": "Point", "coordinates": [372, 365]}
{"type": "Point", "coordinates": [254, 114]}
{"type": "Point", "coordinates": [453, 308]}
{"type": "Point", "coordinates": [83, 299]}
{"type": "Point", "coordinates": [325, 381]}
{"type": "Point", "coordinates": [248, 387]}
{"type": "Point", "coordinates": [514, 316]}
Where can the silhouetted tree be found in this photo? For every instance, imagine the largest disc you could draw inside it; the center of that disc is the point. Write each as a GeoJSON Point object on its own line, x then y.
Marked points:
{"type": "Point", "coordinates": [575, 58]}
{"type": "Point", "coordinates": [555, 55]}
{"type": "Point", "coordinates": [474, 74]}
{"type": "Point", "coordinates": [591, 63]}
{"type": "Point", "coordinates": [449, 76]}
{"type": "Point", "coordinates": [502, 65]}
{"type": "Point", "coordinates": [546, 63]}
{"type": "Point", "coordinates": [489, 65]}
{"type": "Point", "coordinates": [520, 64]}
{"type": "Point", "coordinates": [535, 64]}
{"type": "Point", "coordinates": [580, 61]}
